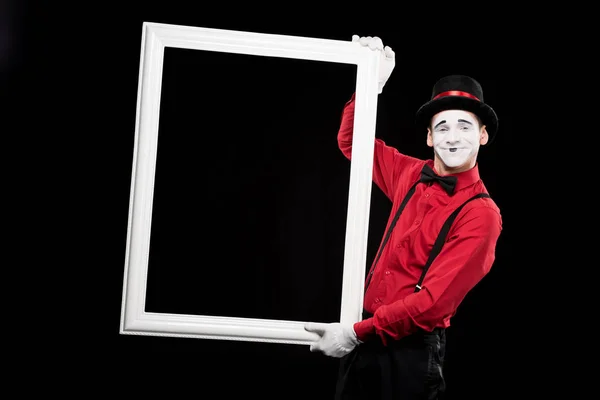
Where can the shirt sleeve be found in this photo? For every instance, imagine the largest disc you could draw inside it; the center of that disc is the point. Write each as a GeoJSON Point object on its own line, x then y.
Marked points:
{"type": "Point", "coordinates": [388, 162]}
{"type": "Point", "coordinates": [467, 256]}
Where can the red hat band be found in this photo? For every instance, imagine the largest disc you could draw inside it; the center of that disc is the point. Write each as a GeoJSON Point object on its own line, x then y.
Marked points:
{"type": "Point", "coordinates": [456, 93]}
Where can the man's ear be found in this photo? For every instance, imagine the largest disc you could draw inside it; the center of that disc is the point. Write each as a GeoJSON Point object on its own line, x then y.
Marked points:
{"type": "Point", "coordinates": [483, 136]}
{"type": "Point", "coordinates": [429, 138]}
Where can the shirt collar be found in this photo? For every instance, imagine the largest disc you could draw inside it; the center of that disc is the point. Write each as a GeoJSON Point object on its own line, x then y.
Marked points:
{"type": "Point", "coordinates": [463, 179]}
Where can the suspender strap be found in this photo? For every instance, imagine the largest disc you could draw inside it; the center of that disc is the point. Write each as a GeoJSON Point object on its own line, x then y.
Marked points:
{"type": "Point", "coordinates": [409, 194]}
{"type": "Point", "coordinates": [441, 239]}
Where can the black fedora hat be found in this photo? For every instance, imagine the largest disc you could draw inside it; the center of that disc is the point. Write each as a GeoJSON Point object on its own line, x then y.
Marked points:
{"type": "Point", "coordinates": [458, 92]}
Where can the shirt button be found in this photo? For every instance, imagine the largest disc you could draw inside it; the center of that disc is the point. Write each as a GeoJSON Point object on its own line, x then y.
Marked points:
{"type": "Point", "coordinates": [377, 300]}
{"type": "Point", "coordinates": [417, 221]}
{"type": "Point", "coordinates": [426, 194]}
{"type": "Point", "coordinates": [387, 272]}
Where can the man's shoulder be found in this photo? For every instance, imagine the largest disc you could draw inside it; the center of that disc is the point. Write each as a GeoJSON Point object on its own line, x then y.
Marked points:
{"type": "Point", "coordinates": [483, 206]}
{"type": "Point", "coordinates": [488, 201]}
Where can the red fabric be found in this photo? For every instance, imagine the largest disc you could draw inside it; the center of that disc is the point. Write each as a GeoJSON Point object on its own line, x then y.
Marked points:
{"type": "Point", "coordinates": [456, 93]}
{"type": "Point", "coordinates": [465, 259]}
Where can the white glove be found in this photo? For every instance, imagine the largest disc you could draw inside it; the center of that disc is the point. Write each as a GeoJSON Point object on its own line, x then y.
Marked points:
{"type": "Point", "coordinates": [336, 340]}
{"type": "Point", "coordinates": [388, 57]}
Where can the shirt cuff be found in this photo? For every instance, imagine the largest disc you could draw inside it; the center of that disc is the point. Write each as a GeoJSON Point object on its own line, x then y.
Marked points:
{"type": "Point", "coordinates": [364, 329]}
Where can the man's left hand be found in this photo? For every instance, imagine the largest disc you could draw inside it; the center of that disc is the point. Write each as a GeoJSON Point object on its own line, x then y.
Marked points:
{"type": "Point", "coordinates": [336, 339]}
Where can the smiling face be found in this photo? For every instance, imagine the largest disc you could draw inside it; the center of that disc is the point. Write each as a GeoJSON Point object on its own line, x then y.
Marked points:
{"type": "Point", "coordinates": [455, 136]}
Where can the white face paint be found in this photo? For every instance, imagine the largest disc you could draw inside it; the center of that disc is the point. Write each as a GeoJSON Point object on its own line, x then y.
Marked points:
{"type": "Point", "coordinates": [455, 137]}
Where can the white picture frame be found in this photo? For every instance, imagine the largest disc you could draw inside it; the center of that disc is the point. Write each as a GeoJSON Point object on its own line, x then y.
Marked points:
{"type": "Point", "coordinates": [155, 38]}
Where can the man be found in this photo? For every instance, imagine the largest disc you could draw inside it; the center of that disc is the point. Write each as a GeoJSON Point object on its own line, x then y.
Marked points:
{"type": "Point", "coordinates": [439, 243]}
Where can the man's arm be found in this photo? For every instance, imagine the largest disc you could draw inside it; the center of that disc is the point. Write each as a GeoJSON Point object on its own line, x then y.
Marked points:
{"type": "Point", "coordinates": [465, 259]}
{"type": "Point", "coordinates": [388, 162]}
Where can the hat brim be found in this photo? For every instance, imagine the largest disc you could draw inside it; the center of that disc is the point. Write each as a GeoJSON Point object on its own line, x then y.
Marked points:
{"type": "Point", "coordinates": [483, 111]}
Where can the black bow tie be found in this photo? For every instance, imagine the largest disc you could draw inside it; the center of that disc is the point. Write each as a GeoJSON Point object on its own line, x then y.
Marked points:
{"type": "Point", "coordinates": [447, 182]}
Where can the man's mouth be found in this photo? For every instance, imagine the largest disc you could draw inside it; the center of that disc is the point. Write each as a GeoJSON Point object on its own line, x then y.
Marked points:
{"type": "Point", "coordinates": [453, 149]}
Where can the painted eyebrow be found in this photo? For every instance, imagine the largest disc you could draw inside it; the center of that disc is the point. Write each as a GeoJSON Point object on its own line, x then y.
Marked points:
{"type": "Point", "coordinates": [444, 121]}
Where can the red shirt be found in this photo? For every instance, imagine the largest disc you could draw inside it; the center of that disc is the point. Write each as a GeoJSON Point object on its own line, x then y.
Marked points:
{"type": "Point", "coordinates": [465, 259]}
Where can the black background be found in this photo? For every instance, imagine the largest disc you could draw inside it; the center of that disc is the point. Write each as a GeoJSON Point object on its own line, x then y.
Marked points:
{"type": "Point", "coordinates": [70, 81]}
{"type": "Point", "coordinates": [265, 221]}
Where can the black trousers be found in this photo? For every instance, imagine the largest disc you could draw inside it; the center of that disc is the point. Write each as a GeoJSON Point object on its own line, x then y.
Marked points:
{"type": "Point", "coordinates": [406, 369]}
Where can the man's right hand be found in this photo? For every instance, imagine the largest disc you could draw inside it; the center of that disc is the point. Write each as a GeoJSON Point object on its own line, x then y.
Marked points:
{"type": "Point", "coordinates": [388, 57]}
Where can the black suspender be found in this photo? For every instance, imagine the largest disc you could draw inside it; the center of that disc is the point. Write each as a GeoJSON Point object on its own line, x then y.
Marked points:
{"type": "Point", "coordinates": [439, 242]}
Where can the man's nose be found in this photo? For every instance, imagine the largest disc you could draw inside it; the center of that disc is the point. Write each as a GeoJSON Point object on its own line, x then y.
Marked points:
{"type": "Point", "coordinates": [452, 136]}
